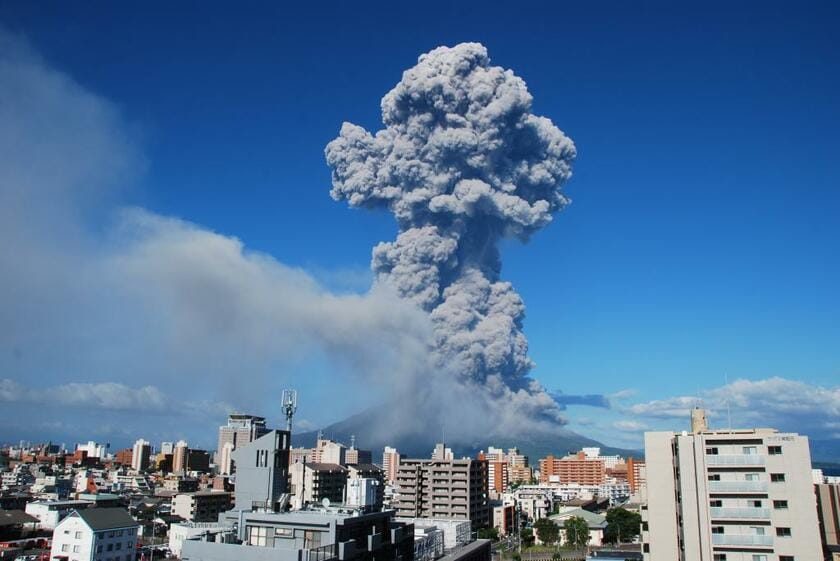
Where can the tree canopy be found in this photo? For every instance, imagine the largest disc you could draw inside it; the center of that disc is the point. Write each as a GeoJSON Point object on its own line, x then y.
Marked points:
{"type": "Point", "coordinates": [622, 525]}
{"type": "Point", "coordinates": [577, 532]}
{"type": "Point", "coordinates": [547, 530]}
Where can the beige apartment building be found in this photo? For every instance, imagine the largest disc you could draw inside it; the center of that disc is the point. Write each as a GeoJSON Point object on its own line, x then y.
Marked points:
{"type": "Point", "coordinates": [729, 495]}
{"type": "Point", "coordinates": [201, 506]}
{"type": "Point", "coordinates": [443, 488]}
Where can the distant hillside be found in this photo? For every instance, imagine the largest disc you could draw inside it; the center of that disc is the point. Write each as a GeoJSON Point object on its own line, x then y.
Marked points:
{"type": "Point", "coordinates": [366, 427]}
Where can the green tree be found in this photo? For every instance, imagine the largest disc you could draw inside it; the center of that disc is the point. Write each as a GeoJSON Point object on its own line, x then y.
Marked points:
{"type": "Point", "coordinates": [527, 536]}
{"type": "Point", "coordinates": [577, 532]}
{"type": "Point", "coordinates": [488, 534]}
{"type": "Point", "coordinates": [547, 530]}
{"type": "Point", "coordinates": [622, 525]}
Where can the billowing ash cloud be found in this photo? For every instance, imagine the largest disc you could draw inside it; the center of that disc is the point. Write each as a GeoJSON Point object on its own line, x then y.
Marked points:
{"type": "Point", "coordinates": [462, 163]}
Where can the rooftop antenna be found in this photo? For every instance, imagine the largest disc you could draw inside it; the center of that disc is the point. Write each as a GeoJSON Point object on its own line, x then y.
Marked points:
{"type": "Point", "coordinates": [289, 407]}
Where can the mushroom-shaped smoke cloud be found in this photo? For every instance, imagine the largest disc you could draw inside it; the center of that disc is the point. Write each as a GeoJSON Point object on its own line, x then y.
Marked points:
{"type": "Point", "coordinates": [462, 162]}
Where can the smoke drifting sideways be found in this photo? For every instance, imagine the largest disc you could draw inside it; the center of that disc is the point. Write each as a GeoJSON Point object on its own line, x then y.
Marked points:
{"type": "Point", "coordinates": [462, 163]}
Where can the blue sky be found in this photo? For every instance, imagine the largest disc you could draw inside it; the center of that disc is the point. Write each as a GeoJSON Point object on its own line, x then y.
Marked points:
{"type": "Point", "coordinates": [702, 238]}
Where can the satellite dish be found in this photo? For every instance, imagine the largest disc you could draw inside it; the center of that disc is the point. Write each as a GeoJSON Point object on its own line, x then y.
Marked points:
{"type": "Point", "coordinates": [325, 502]}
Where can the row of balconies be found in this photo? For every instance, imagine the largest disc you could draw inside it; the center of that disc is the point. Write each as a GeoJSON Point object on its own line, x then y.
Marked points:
{"type": "Point", "coordinates": [737, 486]}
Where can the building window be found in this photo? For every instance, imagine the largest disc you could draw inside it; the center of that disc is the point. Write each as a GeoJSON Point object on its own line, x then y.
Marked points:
{"type": "Point", "coordinates": [110, 547]}
{"type": "Point", "coordinates": [712, 451]}
{"type": "Point", "coordinates": [119, 546]}
{"type": "Point", "coordinates": [283, 533]}
{"type": "Point", "coordinates": [786, 558]}
{"type": "Point", "coordinates": [714, 477]}
{"type": "Point", "coordinates": [783, 532]}
{"type": "Point", "coordinates": [258, 535]}
{"type": "Point", "coordinates": [718, 530]}
{"type": "Point", "coordinates": [720, 557]}
{"type": "Point", "coordinates": [774, 450]}
{"type": "Point", "coordinates": [110, 534]}
{"type": "Point", "coordinates": [65, 548]}
{"type": "Point", "coordinates": [777, 477]}
{"type": "Point", "coordinates": [780, 504]}
{"type": "Point", "coordinates": [76, 549]}
{"type": "Point", "coordinates": [78, 535]}
{"type": "Point", "coordinates": [749, 450]}
{"type": "Point", "coordinates": [716, 503]}
{"type": "Point", "coordinates": [755, 504]}
{"type": "Point", "coordinates": [751, 477]}
{"type": "Point", "coordinates": [759, 557]}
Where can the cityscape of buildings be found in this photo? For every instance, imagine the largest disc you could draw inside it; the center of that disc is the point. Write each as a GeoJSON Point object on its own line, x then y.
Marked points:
{"type": "Point", "coordinates": [699, 494]}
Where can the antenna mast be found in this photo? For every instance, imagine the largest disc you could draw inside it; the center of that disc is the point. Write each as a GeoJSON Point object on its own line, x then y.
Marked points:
{"type": "Point", "coordinates": [289, 407]}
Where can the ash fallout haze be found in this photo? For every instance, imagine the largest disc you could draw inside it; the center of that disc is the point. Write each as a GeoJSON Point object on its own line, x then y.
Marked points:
{"type": "Point", "coordinates": [655, 187]}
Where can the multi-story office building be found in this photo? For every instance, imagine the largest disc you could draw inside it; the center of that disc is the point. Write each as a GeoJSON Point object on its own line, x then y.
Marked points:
{"type": "Point", "coordinates": [201, 506]}
{"type": "Point", "coordinates": [443, 488]}
{"type": "Point", "coordinates": [729, 495]}
{"type": "Point", "coordinates": [240, 430]}
{"type": "Point", "coordinates": [262, 471]}
{"type": "Point", "coordinates": [140, 455]}
{"type": "Point", "coordinates": [576, 468]}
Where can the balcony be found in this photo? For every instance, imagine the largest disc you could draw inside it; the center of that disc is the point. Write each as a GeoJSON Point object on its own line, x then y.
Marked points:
{"type": "Point", "coordinates": [734, 460]}
{"type": "Point", "coordinates": [737, 486]}
{"type": "Point", "coordinates": [740, 513]}
{"type": "Point", "coordinates": [742, 539]}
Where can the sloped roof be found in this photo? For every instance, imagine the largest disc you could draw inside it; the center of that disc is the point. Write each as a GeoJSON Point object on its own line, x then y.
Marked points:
{"type": "Point", "coordinates": [107, 518]}
{"type": "Point", "coordinates": [592, 519]}
{"type": "Point", "coordinates": [15, 517]}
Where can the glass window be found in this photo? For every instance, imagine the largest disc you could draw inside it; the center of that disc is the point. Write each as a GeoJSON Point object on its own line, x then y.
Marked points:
{"type": "Point", "coordinates": [786, 558]}
{"type": "Point", "coordinates": [78, 535]}
{"type": "Point", "coordinates": [755, 504]}
{"type": "Point", "coordinates": [751, 477]}
{"type": "Point", "coordinates": [716, 503]}
{"type": "Point", "coordinates": [720, 557]}
{"type": "Point", "coordinates": [712, 451]}
{"type": "Point", "coordinates": [258, 535]}
{"type": "Point", "coordinates": [774, 450]}
{"type": "Point", "coordinates": [283, 532]}
{"type": "Point", "coordinates": [65, 547]}
{"type": "Point", "coordinates": [75, 549]}
{"type": "Point", "coordinates": [714, 477]}
{"type": "Point", "coordinates": [780, 504]}
{"type": "Point", "coordinates": [758, 530]}
{"type": "Point", "coordinates": [119, 546]}
{"type": "Point", "coordinates": [718, 530]}
{"type": "Point", "coordinates": [783, 532]}
{"type": "Point", "coordinates": [777, 477]}
{"type": "Point", "coordinates": [759, 557]}
{"type": "Point", "coordinates": [749, 450]}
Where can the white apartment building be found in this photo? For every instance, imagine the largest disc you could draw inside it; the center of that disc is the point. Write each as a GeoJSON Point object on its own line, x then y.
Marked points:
{"type": "Point", "coordinates": [729, 495]}
{"type": "Point", "coordinates": [95, 534]}
{"type": "Point", "coordinates": [140, 455]}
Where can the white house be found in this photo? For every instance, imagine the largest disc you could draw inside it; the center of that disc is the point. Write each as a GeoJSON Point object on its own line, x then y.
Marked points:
{"type": "Point", "coordinates": [95, 534]}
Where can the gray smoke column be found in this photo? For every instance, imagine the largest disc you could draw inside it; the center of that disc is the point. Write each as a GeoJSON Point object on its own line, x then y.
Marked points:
{"type": "Point", "coordinates": [462, 163]}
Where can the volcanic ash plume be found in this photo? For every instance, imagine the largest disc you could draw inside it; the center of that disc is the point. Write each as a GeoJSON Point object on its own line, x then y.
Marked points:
{"type": "Point", "coordinates": [462, 162]}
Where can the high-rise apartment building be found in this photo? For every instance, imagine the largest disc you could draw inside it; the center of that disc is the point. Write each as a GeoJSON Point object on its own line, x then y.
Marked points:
{"type": "Point", "coordinates": [179, 457]}
{"type": "Point", "coordinates": [443, 488]}
{"type": "Point", "coordinates": [729, 495]}
{"type": "Point", "coordinates": [828, 509]}
{"type": "Point", "coordinates": [390, 463]}
{"type": "Point", "coordinates": [575, 468]}
{"type": "Point", "coordinates": [240, 430]}
{"type": "Point", "coordinates": [140, 455]}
